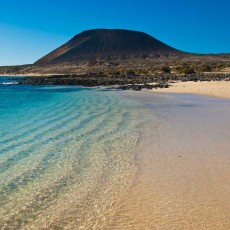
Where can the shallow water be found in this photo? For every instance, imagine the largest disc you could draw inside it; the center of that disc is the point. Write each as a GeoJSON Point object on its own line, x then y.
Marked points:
{"type": "Point", "coordinates": [66, 155]}
{"type": "Point", "coordinates": [78, 158]}
{"type": "Point", "coordinates": [183, 167]}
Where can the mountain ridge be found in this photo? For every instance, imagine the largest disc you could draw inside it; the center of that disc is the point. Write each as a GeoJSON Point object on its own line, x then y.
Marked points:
{"type": "Point", "coordinates": [104, 44]}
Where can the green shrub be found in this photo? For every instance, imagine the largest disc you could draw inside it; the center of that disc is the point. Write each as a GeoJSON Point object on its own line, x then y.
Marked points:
{"type": "Point", "coordinates": [186, 70]}
{"type": "Point", "coordinates": [166, 69]}
{"type": "Point", "coordinates": [204, 68]}
{"type": "Point", "coordinates": [130, 73]}
{"type": "Point", "coordinates": [189, 70]}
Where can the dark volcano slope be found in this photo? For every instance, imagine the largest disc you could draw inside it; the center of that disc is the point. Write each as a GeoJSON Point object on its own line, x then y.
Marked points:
{"type": "Point", "coordinates": [108, 44]}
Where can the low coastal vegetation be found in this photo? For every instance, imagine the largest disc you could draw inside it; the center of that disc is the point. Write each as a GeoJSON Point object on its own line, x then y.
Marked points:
{"type": "Point", "coordinates": [189, 65]}
{"type": "Point", "coordinates": [133, 74]}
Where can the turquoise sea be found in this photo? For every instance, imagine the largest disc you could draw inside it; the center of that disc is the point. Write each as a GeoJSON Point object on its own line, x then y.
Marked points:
{"type": "Point", "coordinates": [66, 155]}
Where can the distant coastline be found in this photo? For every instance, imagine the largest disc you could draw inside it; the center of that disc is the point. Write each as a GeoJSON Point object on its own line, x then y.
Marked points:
{"type": "Point", "coordinates": [215, 85]}
{"type": "Point", "coordinates": [124, 60]}
{"type": "Point", "coordinates": [165, 83]}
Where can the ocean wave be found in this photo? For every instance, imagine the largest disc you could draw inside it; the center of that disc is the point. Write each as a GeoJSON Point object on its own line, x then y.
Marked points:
{"type": "Point", "coordinates": [9, 83]}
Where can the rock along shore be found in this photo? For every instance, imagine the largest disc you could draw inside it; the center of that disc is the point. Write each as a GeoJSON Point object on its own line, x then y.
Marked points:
{"type": "Point", "coordinates": [123, 82]}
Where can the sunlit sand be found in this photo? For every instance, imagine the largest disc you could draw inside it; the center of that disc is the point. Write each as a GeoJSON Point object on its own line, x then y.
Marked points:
{"type": "Point", "coordinates": [183, 162]}
{"type": "Point", "coordinates": [211, 88]}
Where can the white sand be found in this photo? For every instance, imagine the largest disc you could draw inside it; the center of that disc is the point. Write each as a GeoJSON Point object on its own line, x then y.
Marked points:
{"type": "Point", "coordinates": [183, 161]}
{"type": "Point", "coordinates": [213, 88]}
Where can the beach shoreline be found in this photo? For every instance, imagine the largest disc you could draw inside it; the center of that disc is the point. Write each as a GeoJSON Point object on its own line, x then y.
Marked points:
{"type": "Point", "coordinates": [219, 89]}
{"type": "Point", "coordinates": [182, 162]}
{"type": "Point", "coordinates": [173, 171]}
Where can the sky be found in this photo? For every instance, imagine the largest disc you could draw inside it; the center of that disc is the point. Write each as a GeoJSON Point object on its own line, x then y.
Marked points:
{"type": "Point", "coordinates": [31, 29]}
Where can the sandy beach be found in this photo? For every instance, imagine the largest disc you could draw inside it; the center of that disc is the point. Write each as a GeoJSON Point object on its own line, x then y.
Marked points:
{"type": "Point", "coordinates": [148, 160]}
{"type": "Point", "coordinates": [211, 88]}
{"type": "Point", "coordinates": [183, 163]}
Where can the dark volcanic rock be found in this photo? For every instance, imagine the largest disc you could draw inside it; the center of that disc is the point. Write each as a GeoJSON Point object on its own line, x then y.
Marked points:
{"type": "Point", "coordinates": [123, 82]}
{"type": "Point", "coordinates": [144, 86]}
{"type": "Point", "coordinates": [108, 44]}
{"type": "Point", "coordinates": [92, 80]}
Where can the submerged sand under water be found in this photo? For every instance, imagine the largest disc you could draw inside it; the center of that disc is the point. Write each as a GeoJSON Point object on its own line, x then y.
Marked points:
{"type": "Point", "coordinates": [115, 160]}
{"type": "Point", "coordinates": [183, 161]}
{"type": "Point", "coordinates": [66, 156]}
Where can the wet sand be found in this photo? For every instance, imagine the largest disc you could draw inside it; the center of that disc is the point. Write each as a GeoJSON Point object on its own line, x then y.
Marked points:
{"type": "Point", "coordinates": [211, 88]}
{"type": "Point", "coordinates": [183, 162]}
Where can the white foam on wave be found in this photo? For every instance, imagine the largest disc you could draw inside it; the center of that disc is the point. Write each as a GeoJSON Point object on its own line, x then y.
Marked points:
{"type": "Point", "coordinates": [9, 83]}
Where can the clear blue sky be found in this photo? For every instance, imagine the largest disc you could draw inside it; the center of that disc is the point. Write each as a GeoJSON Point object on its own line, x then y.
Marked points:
{"type": "Point", "coordinates": [32, 28]}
